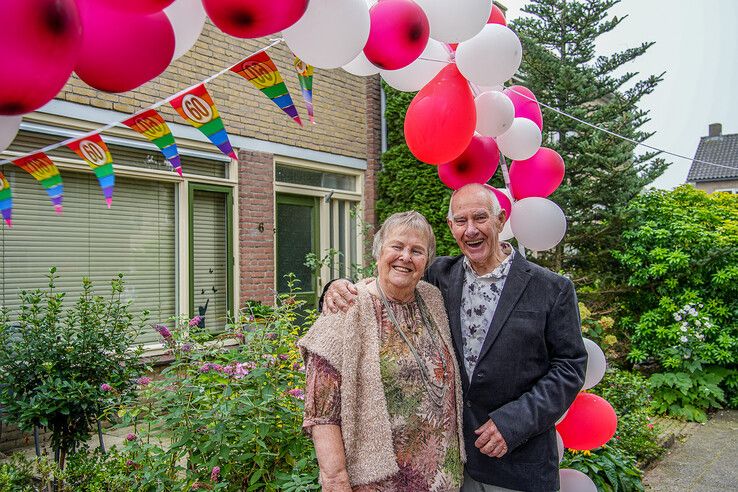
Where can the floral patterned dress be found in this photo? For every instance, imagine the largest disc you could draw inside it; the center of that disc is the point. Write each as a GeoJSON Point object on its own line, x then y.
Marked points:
{"type": "Point", "coordinates": [424, 429]}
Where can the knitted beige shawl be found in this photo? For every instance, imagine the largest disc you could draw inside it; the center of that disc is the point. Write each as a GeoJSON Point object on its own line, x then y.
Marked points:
{"type": "Point", "coordinates": [350, 343]}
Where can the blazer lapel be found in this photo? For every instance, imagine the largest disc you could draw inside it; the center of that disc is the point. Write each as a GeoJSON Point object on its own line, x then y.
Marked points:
{"type": "Point", "coordinates": [453, 296]}
{"type": "Point", "coordinates": [517, 279]}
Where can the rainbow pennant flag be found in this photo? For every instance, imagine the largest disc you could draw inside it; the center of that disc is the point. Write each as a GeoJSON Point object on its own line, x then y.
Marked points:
{"type": "Point", "coordinates": [260, 70]}
{"type": "Point", "coordinates": [6, 200]}
{"type": "Point", "coordinates": [93, 150]}
{"type": "Point", "coordinates": [305, 74]}
{"type": "Point", "coordinates": [40, 167]}
{"type": "Point", "coordinates": [198, 109]}
{"type": "Point", "coordinates": [151, 125]}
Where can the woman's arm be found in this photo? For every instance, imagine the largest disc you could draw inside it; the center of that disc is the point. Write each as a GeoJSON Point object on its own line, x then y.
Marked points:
{"type": "Point", "coordinates": [331, 458]}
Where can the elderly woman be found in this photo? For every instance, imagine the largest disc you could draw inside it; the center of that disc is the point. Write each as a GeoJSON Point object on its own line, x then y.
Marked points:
{"type": "Point", "coordinates": [383, 395]}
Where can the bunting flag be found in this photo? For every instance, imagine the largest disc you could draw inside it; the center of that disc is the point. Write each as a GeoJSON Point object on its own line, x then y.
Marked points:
{"type": "Point", "coordinates": [260, 70]}
{"type": "Point", "coordinates": [93, 150]}
{"type": "Point", "coordinates": [6, 200]}
{"type": "Point", "coordinates": [305, 74]}
{"type": "Point", "coordinates": [151, 125]}
{"type": "Point", "coordinates": [40, 167]}
{"type": "Point", "coordinates": [198, 109]}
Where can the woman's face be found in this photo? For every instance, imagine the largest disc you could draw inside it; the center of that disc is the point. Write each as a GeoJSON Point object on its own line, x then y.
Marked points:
{"type": "Point", "coordinates": [402, 260]}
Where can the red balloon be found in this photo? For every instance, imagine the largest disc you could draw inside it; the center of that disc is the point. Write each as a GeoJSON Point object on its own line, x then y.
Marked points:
{"type": "Point", "coordinates": [440, 121]}
{"type": "Point", "coordinates": [538, 176]}
{"type": "Point", "coordinates": [39, 45]}
{"type": "Point", "coordinates": [398, 34]}
{"type": "Point", "coordinates": [477, 164]}
{"type": "Point", "coordinates": [254, 18]}
{"type": "Point", "coordinates": [138, 6]}
{"type": "Point", "coordinates": [120, 50]}
{"type": "Point", "coordinates": [504, 201]}
{"type": "Point", "coordinates": [497, 16]}
{"type": "Point", "coordinates": [590, 423]}
{"type": "Point", "coordinates": [524, 107]}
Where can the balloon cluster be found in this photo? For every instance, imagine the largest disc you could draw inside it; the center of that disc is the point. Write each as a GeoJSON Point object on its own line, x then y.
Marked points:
{"type": "Point", "coordinates": [589, 422]}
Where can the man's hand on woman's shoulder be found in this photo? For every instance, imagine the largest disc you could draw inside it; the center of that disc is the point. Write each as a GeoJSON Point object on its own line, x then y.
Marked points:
{"type": "Point", "coordinates": [339, 296]}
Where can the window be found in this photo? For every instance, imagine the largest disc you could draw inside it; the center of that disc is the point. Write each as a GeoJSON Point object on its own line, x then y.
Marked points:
{"type": "Point", "coordinates": [733, 191]}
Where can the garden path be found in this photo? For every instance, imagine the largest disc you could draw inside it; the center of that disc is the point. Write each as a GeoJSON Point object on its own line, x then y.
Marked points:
{"type": "Point", "coordinates": [706, 461]}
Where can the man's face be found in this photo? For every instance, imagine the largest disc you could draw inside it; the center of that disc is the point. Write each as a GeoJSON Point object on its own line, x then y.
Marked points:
{"type": "Point", "coordinates": [475, 229]}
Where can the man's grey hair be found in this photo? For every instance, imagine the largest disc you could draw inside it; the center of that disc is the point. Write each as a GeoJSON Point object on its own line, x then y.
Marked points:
{"type": "Point", "coordinates": [411, 220]}
{"type": "Point", "coordinates": [496, 207]}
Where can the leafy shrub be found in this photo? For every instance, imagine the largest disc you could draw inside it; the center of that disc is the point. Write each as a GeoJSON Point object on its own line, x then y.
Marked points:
{"type": "Point", "coordinates": [610, 468]}
{"type": "Point", "coordinates": [65, 369]}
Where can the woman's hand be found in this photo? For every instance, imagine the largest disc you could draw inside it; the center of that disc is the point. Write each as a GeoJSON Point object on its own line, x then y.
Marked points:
{"type": "Point", "coordinates": [328, 442]}
{"type": "Point", "coordinates": [339, 482]}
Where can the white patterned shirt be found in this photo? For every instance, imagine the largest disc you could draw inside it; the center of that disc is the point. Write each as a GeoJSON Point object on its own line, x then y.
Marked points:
{"type": "Point", "coordinates": [479, 299]}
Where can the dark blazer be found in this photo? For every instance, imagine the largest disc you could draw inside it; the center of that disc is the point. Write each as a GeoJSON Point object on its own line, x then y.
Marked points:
{"type": "Point", "coordinates": [530, 368]}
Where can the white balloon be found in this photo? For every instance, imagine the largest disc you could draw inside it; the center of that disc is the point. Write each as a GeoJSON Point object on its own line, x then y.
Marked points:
{"type": "Point", "coordinates": [187, 18]}
{"type": "Point", "coordinates": [457, 20]}
{"type": "Point", "coordinates": [575, 481]}
{"type": "Point", "coordinates": [330, 33]}
{"type": "Point", "coordinates": [415, 76]}
{"type": "Point", "coordinates": [596, 364]}
{"type": "Point", "coordinates": [361, 66]}
{"type": "Point", "coordinates": [538, 223]}
{"type": "Point", "coordinates": [521, 141]}
{"type": "Point", "coordinates": [495, 113]}
{"type": "Point", "coordinates": [560, 446]}
{"type": "Point", "coordinates": [506, 233]}
{"type": "Point", "coordinates": [491, 57]}
{"type": "Point", "coordinates": [490, 88]}
{"type": "Point", "coordinates": [9, 126]}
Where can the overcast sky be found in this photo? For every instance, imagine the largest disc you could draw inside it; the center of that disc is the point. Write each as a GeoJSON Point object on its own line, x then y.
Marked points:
{"type": "Point", "coordinates": [697, 46]}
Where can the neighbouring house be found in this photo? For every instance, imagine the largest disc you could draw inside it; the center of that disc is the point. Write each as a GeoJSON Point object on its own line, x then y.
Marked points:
{"type": "Point", "coordinates": [718, 149]}
{"type": "Point", "coordinates": [225, 232]}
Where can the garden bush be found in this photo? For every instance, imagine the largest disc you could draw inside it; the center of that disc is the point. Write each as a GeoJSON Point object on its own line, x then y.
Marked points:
{"type": "Point", "coordinates": [609, 467]}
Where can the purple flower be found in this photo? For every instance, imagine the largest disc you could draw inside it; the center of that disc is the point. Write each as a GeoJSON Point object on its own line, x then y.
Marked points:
{"type": "Point", "coordinates": [195, 321]}
{"type": "Point", "coordinates": [271, 336]}
{"type": "Point", "coordinates": [240, 336]}
{"type": "Point", "coordinates": [251, 318]}
{"type": "Point", "coordinates": [106, 387]}
{"type": "Point", "coordinates": [187, 347]}
{"type": "Point", "coordinates": [297, 393]}
{"type": "Point", "coordinates": [283, 356]}
{"type": "Point", "coordinates": [143, 380]}
{"type": "Point", "coordinates": [163, 331]}
{"type": "Point", "coordinates": [131, 437]}
{"type": "Point", "coordinates": [215, 474]}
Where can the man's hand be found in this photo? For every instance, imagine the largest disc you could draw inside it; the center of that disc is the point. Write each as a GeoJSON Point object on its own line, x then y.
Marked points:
{"type": "Point", "coordinates": [339, 296]}
{"type": "Point", "coordinates": [490, 441]}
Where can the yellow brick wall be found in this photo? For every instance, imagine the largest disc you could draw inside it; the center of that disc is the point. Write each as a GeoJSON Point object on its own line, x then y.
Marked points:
{"type": "Point", "coordinates": [339, 97]}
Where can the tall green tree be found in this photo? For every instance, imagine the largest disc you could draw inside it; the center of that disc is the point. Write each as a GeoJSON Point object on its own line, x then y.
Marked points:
{"type": "Point", "coordinates": [603, 173]}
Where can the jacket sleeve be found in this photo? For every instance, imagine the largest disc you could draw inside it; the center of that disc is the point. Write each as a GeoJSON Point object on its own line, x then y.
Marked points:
{"type": "Point", "coordinates": [538, 409]}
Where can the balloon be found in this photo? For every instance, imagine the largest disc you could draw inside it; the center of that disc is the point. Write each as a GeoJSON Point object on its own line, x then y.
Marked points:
{"type": "Point", "coordinates": [596, 364]}
{"type": "Point", "coordinates": [187, 18]}
{"type": "Point", "coordinates": [413, 77]}
{"type": "Point", "coordinates": [538, 223]}
{"type": "Point", "coordinates": [398, 34]}
{"type": "Point", "coordinates": [138, 6]}
{"type": "Point", "coordinates": [9, 126]}
{"type": "Point", "coordinates": [590, 423]}
{"type": "Point", "coordinates": [254, 18]}
{"type": "Point", "coordinates": [506, 233]}
{"type": "Point", "coordinates": [560, 446]}
{"type": "Point", "coordinates": [117, 54]}
{"type": "Point", "coordinates": [477, 164]}
{"type": "Point", "coordinates": [491, 57]}
{"type": "Point", "coordinates": [439, 123]}
{"type": "Point", "coordinates": [575, 481]}
{"type": "Point", "coordinates": [330, 33]}
{"type": "Point", "coordinates": [452, 22]}
{"type": "Point", "coordinates": [39, 44]}
{"type": "Point", "coordinates": [360, 66]}
{"type": "Point", "coordinates": [524, 107]}
{"type": "Point", "coordinates": [497, 16]}
{"type": "Point", "coordinates": [538, 176]}
{"type": "Point", "coordinates": [495, 113]}
{"type": "Point", "coordinates": [505, 202]}
{"type": "Point", "coordinates": [489, 88]}
{"type": "Point", "coordinates": [521, 141]}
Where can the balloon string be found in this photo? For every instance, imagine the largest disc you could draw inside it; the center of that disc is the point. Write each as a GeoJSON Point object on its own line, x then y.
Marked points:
{"type": "Point", "coordinates": [51, 147]}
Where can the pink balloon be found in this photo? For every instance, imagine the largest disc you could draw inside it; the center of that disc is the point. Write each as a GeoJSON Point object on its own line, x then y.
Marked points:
{"type": "Point", "coordinates": [538, 176]}
{"type": "Point", "coordinates": [477, 164]}
{"type": "Point", "coordinates": [398, 34]}
{"type": "Point", "coordinates": [504, 201]}
{"type": "Point", "coordinates": [39, 45]}
{"type": "Point", "coordinates": [254, 18]}
{"type": "Point", "coordinates": [524, 107]}
{"type": "Point", "coordinates": [138, 6]}
{"type": "Point", "coordinates": [120, 50]}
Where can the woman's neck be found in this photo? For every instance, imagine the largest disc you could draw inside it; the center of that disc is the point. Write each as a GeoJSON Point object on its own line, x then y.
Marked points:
{"type": "Point", "coordinates": [394, 294]}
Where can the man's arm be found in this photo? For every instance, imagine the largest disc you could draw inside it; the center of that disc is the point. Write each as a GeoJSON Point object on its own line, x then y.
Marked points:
{"type": "Point", "coordinates": [338, 295]}
{"type": "Point", "coordinates": [538, 409]}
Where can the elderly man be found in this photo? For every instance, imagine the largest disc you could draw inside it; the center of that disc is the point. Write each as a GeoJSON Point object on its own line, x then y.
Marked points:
{"type": "Point", "coordinates": [517, 337]}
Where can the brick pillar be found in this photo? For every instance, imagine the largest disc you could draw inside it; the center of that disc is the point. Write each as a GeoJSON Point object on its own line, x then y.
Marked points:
{"type": "Point", "coordinates": [373, 150]}
{"type": "Point", "coordinates": [256, 225]}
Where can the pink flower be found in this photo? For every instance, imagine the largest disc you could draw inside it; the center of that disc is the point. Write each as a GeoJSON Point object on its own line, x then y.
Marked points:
{"type": "Point", "coordinates": [131, 437]}
{"type": "Point", "coordinates": [195, 321]}
{"type": "Point", "coordinates": [215, 474]}
{"type": "Point", "coordinates": [163, 331]}
{"type": "Point", "coordinates": [143, 380]}
{"type": "Point", "coordinates": [187, 347]}
{"type": "Point", "coordinates": [130, 463]}
{"type": "Point", "coordinates": [283, 356]}
{"type": "Point", "coordinates": [650, 426]}
{"type": "Point", "coordinates": [297, 393]}
{"type": "Point", "coordinates": [106, 387]}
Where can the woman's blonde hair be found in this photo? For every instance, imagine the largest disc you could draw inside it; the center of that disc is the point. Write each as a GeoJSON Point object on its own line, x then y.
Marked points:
{"type": "Point", "coordinates": [411, 220]}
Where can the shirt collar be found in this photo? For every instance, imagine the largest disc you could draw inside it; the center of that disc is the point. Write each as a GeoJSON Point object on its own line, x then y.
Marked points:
{"type": "Point", "coordinates": [500, 271]}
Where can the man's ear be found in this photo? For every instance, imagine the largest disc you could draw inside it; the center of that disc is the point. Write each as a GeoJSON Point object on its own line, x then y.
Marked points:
{"type": "Point", "coordinates": [501, 217]}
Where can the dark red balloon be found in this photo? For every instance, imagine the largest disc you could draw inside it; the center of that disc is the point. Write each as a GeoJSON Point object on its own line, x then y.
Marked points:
{"type": "Point", "coordinates": [538, 176]}
{"type": "Point", "coordinates": [497, 16]}
{"type": "Point", "coordinates": [440, 121]}
{"type": "Point", "coordinates": [398, 34]}
{"type": "Point", "coordinates": [120, 50]}
{"type": "Point", "coordinates": [477, 164]}
{"type": "Point", "coordinates": [39, 45]}
{"type": "Point", "coordinates": [589, 423]}
{"type": "Point", "coordinates": [254, 18]}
